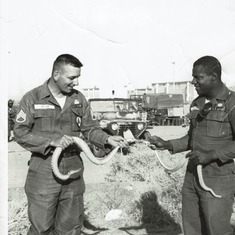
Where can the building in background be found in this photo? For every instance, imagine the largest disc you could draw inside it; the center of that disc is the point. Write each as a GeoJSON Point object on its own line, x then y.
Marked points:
{"type": "Point", "coordinates": [180, 87]}
{"type": "Point", "coordinates": [93, 92]}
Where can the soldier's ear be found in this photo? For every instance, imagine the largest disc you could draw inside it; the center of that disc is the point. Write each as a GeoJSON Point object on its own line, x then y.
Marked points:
{"type": "Point", "coordinates": [214, 76]}
{"type": "Point", "coordinates": [56, 74]}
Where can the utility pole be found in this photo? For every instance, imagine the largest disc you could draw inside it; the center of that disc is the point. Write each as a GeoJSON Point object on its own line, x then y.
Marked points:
{"type": "Point", "coordinates": [173, 63]}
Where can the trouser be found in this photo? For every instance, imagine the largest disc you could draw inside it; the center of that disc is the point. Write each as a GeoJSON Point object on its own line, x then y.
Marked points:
{"type": "Point", "coordinates": [10, 127]}
{"type": "Point", "coordinates": [202, 213]}
{"type": "Point", "coordinates": [55, 207]}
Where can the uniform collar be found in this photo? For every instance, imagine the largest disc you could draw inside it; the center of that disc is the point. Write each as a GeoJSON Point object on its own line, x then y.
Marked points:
{"type": "Point", "coordinates": [222, 95]}
{"type": "Point", "coordinates": [70, 99]}
{"type": "Point", "coordinates": [45, 92]}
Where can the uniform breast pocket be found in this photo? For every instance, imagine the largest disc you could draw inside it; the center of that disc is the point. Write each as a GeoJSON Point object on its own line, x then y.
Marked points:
{"type": "Point", "coordinates": [44, 120]}
{"type": "Point", "coordinates": [77, 114]}
{"type": "Point", "coordinates": [217, 124]}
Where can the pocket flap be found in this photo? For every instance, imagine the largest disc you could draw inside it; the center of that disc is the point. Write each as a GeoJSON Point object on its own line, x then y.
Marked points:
{"type": "Point", "coordinates": [44, 113]}
{"type": "Point", "coordinates": [217, 116]}
{"type": "Point", "coordinates": [77, 111]}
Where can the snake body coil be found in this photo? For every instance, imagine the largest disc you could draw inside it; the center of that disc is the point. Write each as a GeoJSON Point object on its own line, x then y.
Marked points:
{"type": "Point", "coordinates": [85, 148]}
{"type": "Point", "coordinates": [202, 183]}
{"type": "Point", "coordinates": [171, 169]}
{"type": "Point", "coordinates": [199, 173]}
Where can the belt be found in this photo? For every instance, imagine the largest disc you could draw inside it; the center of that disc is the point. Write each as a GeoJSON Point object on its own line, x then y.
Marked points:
{"type": "Point", "coordinates": [68, 153]}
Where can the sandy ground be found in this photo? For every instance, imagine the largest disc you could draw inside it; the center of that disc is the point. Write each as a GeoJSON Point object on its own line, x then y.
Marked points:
{"type": "Point", "coordinates": [93, 174]}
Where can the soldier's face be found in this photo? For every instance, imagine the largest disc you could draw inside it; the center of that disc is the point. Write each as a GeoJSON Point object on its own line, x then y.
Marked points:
{"type": "Point", "coordinates": [10, 104]}
{"type": "Point", "coordinates": [67, 77]}
{"type": "Point", "coordinates": [202, 82]}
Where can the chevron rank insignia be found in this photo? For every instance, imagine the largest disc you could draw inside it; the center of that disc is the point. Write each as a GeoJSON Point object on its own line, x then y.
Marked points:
{"type": "Point", "coordinates": [21, 116]}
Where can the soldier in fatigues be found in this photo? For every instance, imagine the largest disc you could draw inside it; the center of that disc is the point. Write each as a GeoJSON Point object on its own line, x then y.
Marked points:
{"type": "Point", "coordinates": [48, 117]}
{"type": "Point", "coordinates": [11, 118]}
{"type": "Point", "coordinates": [211, 139]}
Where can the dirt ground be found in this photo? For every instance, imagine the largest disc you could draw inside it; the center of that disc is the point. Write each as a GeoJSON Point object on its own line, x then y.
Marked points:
{"type": "Point", "coordinates": [94, 175]}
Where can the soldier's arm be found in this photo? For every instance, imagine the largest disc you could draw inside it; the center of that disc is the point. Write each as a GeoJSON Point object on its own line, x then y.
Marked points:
{"type": "Point", "coordinates": [24, 122]}
{"type": "Point", "coordinates": [91, 128]}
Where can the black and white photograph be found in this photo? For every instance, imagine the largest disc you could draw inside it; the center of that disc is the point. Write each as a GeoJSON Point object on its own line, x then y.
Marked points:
{"type": "Point", "coordinates": [120, 117]}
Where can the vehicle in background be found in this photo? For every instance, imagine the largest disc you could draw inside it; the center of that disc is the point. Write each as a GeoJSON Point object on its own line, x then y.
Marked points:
{"type": "Point", "coordinates": [163, 109]}
{"type": "Point", "coordinates": [117, 115]}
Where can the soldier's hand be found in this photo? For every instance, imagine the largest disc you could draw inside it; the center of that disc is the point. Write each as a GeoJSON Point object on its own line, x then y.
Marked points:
{"type": "Point", "coordinates": [117, 141]}
{"type": "Point", "coordinates": [157, 141]}
{"type": "Point", "coordinates": [160, 143]}
{"type": "Point", "coordinates": [62, 142]}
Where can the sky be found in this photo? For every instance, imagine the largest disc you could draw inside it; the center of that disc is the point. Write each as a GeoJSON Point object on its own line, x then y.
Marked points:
{"type": "Point", "coordinates": [123, 44]}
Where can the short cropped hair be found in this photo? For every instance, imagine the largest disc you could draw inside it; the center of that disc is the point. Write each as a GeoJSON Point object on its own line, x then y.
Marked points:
{"type": "Point", "coordinates": [66, 59]}
{"type": "Point", "coordinates": [210, 63]}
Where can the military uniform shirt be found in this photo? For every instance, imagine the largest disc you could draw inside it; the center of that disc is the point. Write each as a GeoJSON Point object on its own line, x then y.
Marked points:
{"type": "Point", "coordinates": [40, 119]}
{"type": "Point", "coordinates": [215, 132]}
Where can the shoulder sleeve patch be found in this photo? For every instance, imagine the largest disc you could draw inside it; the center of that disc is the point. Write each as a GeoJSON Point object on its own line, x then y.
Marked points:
{"type": "Point", "coordinates": [21, 117]}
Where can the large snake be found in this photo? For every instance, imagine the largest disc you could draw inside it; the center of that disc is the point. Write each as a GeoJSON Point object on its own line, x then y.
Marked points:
{"type": "Point", "coordinates": [199, 173]}
{"type": "Point", "coordinates": [128, 135]}
{"type": "Point", "coordinates": [84, 147]}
